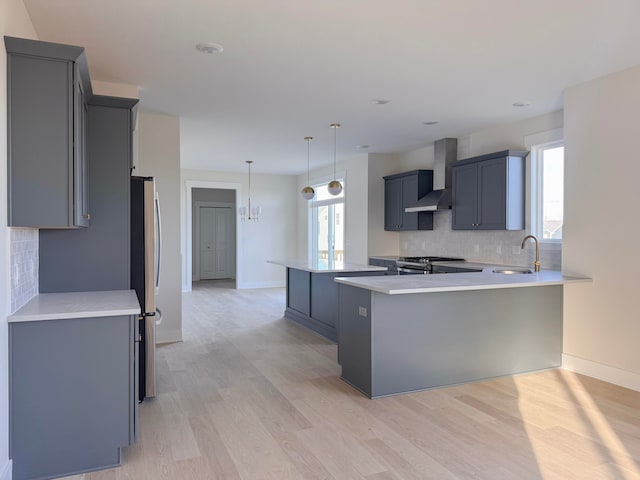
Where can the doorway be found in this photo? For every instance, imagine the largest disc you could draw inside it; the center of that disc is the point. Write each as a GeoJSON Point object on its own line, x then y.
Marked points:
{"type": "Point", "coordinates": [213, 235]}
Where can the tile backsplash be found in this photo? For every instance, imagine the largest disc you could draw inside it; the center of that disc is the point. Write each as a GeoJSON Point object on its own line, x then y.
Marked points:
{"type": "Point", "coordinates": [24, 266]}
{"type": "Point", "coordinates": [488, 246]}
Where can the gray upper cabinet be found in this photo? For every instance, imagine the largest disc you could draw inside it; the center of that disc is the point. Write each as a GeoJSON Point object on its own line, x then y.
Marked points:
{"type": "Point", "coordinates": [489, 192]}
{"type": "Point", "coordinates": [47, 90]}
{"type": "Point", "coordinates": [401, 191]}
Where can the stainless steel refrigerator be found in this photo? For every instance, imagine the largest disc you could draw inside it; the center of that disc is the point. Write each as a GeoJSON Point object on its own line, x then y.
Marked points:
{"type": "Point", "coordinates": [145, 275]}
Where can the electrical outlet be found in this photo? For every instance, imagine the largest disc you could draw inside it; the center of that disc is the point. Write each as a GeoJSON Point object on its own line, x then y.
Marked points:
{"type": "Point", "coordinates": [362, 311]}
{"type": "Point", "coordinates": [499, 249]}
{"type": "Point", "coordinates": [476, 248]}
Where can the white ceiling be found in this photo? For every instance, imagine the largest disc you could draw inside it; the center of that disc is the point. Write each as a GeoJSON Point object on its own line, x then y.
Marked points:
{"type": "Point", "coordinates": [291, 67]}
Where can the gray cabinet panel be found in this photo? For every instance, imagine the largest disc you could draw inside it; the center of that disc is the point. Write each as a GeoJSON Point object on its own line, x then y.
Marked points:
{"type": "Point", "coordinates": [393, 204]}
{"type": "Point", "coordinates": [45, 162]}
{"type": "Point", "coordinates": [465, 195]}
{"type": "Point", "coordinates": [96, 258]}
{"type": "Point", "coordinates": [72, 394]}
{"type": "Point", "coordinates": [299, 290]}
{"type": "Point", "coordinates": [354, 347]}
{"type": "Point", "coordinates": [324, 295]}
{"type": "Point", "coordinates": [492, 178]}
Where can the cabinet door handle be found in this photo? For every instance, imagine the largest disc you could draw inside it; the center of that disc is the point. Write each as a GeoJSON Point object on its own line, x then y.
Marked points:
{"type": "Point", "coordinates": [86, 216]}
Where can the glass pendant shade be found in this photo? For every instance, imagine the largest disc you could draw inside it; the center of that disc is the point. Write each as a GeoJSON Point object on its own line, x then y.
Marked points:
{"type": "Point", "coordinates": [334, 187]}
{"type": "Point", "coordinates": [308, 192]}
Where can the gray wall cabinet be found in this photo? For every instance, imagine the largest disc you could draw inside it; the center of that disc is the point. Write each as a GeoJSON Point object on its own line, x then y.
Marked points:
{"type": "Point", "coordinates": [97, 258]}
{"type": "Point", "coordinates": [73, 398]}
{"type": "Point", "coordinates": [489, 192]}
{"type": "Point", "coordinates": [47, 90]}
{"type": "Point", "coordinates": [403, 190]}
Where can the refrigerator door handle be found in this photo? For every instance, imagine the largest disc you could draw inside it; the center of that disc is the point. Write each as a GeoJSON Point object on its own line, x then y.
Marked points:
{"type": "Point", "coordinates": [159, 240]}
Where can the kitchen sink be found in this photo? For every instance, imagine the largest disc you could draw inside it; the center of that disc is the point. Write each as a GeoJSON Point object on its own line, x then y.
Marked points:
{"type": "Point", "coordinates": [512, 271]}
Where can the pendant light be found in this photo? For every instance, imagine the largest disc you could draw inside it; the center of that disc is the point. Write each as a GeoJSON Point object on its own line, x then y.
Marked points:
{"type": "Point", "coordinates": [334, 187]}
{"type": "Point", "coordinates": [249, 213]}
{"type": "Point", "coordinates": [308, 192]}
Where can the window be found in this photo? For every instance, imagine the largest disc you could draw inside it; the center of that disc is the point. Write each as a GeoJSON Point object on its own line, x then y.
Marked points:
{"type": "Point", "coordinates": [547, 192]}
{"type": "Point", "coordinates": [327, 226]}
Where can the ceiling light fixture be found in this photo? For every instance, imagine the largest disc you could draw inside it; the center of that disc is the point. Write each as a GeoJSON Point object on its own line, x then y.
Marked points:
{"type": "Point", "coordinates": [334, 187]}
{"type": "Point", "coordinates": [522, 104]}
{"type": "Point", "coordinates": [209, 48]}
{"type": "Point", "coordinates": [362, 147]}
{"type": "Point", "coordinates": [308, 192]}
{"type": "Point", "coordinates": [380, 101]}
{"type": "Point", "coordinates": [430, 122]}
{"type": "Point", "coordinates": [253, 212]}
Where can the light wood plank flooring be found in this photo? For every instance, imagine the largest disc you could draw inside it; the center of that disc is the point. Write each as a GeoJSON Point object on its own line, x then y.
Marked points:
{"type": "Point", "coordinates": [249, 395]}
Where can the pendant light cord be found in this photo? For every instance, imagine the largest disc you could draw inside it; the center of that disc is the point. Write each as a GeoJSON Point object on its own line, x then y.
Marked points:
{"type": "Point", "coordinates": [335, 134]}
{"type": "Point", "coordinates": [308, 164]}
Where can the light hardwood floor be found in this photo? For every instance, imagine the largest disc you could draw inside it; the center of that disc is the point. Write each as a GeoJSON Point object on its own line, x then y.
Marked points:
{"type": "Point", "coordinates": [249, 395]}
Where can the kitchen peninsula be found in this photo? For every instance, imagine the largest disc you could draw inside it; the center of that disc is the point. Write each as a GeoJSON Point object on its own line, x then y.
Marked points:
{"type": "Point", "coordinates": [312, 294]}
{"type": "Point", "coordinates": [400, 334]}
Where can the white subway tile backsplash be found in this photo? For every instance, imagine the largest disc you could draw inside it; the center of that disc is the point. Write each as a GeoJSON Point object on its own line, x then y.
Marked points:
{"type": "Point", "coordinates": [24, 248]}
{"type": "Point", "coordinates": [491, 246]}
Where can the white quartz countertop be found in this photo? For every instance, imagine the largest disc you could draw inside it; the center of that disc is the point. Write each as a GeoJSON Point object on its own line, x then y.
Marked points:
{"type": "Point", "coordinates": [56, 306]}
{"type": "Point", "coordinates": [452, 282]}
{"type": "Point", "coordinates": [323, 267]}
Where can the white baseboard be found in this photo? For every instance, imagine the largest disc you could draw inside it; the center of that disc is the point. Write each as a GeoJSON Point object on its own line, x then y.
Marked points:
{"type": "Point", "coordinates": [601, 371]}
{"type": "Point", "coordinates": [7, 470]}
{"type": "Point", "coordinates": [168, 336]}
{"type": "Point", "coordinates": [247, 285]}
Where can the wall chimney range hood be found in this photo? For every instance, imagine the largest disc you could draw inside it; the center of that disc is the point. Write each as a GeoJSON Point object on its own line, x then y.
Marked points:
{"type": "Point", "coordinates": [445, 154]}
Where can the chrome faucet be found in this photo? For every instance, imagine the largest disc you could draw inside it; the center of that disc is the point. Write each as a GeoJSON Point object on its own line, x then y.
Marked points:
{"type": "Point", "coordinates": [536, 264]}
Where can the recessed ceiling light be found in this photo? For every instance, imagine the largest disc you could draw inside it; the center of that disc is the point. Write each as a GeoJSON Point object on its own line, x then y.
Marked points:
{"type": "Point", "coordinates": [521, 104]}
{"type": "Point", "coordinates": [209, 48]}
{"type": "Point", "coordinates": [380, 101]}
{"type": "Point", "coordinates": [362, 147]}
{"type": "Point", "coordinates": [431, 122]}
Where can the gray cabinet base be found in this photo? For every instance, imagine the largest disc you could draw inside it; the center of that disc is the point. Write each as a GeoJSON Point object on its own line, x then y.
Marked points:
{"type": "Point", "coordinates": [72, 395]}
{"type": "Point", "coordinates": [421, 341]}
{"type": "Point", "coordinates": [312, 324]}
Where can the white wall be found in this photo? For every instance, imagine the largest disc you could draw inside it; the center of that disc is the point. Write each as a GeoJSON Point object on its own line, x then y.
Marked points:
{"type": "Point", "coordinates": [14, 21]}
{"type": "Point", "coordinates": [273, 237]}
{"type": "Point", "coordinates": [601, 232]}
{"type": "Point", "coordinates": [381, 242]}
{"type": "Point", "coordinates": [158, 155]}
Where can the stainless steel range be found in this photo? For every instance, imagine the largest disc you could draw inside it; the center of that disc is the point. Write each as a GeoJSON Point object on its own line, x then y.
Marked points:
{"type": "Point", "coordinates": [420, 265]}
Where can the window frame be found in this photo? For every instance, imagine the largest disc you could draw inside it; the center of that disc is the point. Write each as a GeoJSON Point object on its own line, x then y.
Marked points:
{"type": "Point", "coordinates": [537, 175]}
{"type": "Point", "coordinates": [313, 210]}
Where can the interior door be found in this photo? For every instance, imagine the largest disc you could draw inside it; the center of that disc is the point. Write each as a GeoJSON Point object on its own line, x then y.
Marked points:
{"type": "Point", "coordinates": [215, 242]}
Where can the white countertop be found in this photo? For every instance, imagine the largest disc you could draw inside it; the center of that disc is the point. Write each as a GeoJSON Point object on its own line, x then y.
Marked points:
{"type": "Point", "coordinates": [56, 306]}
{"type": "Point", "coordinates": [320, 267]}
{"type": "Point", "coordinates": [452, 282]}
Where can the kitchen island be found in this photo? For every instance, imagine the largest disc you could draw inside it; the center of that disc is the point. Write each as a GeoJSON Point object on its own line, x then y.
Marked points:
{"type": "Point", "coordinates": [312, 294]}
{"type": "Point", "coordinates": [400, 334]}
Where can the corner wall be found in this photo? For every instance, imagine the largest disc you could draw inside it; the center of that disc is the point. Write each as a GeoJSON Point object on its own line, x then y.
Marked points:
{"type": "Point", "coordinates": [601, 231]}
{"type": "Point", "coordinates": [158, 155]}
{"type": "Point", "coordinates": [14, 21]}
